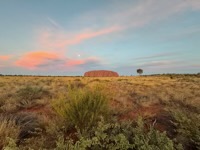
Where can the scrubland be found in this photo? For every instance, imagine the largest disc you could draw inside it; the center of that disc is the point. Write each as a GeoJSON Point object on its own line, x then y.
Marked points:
{"type": "Point", "coordinates": [159, 112]}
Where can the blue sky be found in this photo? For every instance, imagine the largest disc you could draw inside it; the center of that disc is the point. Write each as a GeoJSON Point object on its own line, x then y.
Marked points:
{"type": "Point", "coordinates": [62, 37]}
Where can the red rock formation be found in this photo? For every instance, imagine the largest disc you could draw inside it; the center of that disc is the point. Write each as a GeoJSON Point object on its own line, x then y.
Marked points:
{"type": "Point", "coordinates": [101, 73]}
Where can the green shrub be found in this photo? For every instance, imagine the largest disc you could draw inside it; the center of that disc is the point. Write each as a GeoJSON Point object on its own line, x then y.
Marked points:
{"type": "Point", "coordinates": [188, 128]}
{"type": "Point", "coordinates": [83, 108]}
{"type": "Point", "coordinates": [119, 136]}
{"type": "Point", "coordinates": [151, 139]}
{"type": "Point", "coordinates": [98, 139]}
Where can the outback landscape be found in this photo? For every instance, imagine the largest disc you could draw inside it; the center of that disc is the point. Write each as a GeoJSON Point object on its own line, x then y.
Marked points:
{"type": "Point", "coordinates": [99, 75]}
{"type": "Point", "coordinates": [137, 112]}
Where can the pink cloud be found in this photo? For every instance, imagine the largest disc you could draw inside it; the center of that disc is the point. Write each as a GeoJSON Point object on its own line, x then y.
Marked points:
{"type": "Point", "coordinates": [87, 35]}
{"type": "Point", "coordinates": [75, 62]}
{"type": "Point", "coordinates": [58, 40]}
{"type": "Point", "coordinates": [32, 60]}
{"type": "Point", "coordinates": [132, 15]}
{"type": "Point", "coordinates": [5, 57]}
{"type": "Point", "coordinates": [49, 60]}
{"type": "Point", "coordinates": [78, 62]}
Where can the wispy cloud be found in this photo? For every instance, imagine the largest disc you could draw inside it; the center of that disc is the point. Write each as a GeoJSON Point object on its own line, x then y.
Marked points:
{"type": "Point", "coordinates": [5, 57]}
{"type": "Point", "coordinates": [196, 65]}
{"type": "Point", "coordinates": [161, 63]}
{"type": "Point", "coordinates": [32, 60]}
{"type": "Point", "coordinates": [82, 62]}
{"type": "Point", "coordinates": [50, 60]}
{"type": "Point", "coordinates": [56, 40]}
{"type": "Point", "coordinates": [134, 14]}
{"type": "Point", "coordinates": [53, 22]}
{"type": "Point", "coordinates": [159, 55]}
{"type": "Point", "coordinates": [116, 18]}
{"type": "Point", "coordinates": [87, 35]}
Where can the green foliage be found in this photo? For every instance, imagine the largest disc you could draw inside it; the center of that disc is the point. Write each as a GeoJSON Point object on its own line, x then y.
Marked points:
{"type": "Point", "coordinates": [116, 136]}
{"type": "Point", "coordinates": [98, 139]}
{"type": "Point", "coordinates": [188, 128]}
{"type": "Point", "coordinates": [151, 140]}
{"type": "Point", "coordinates": [83, 108]}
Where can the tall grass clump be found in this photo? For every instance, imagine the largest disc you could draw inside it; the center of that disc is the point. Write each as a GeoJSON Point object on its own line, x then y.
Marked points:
{"type": "Point", "coordinates": [8, 130]}
{"type": "Point", "coordinates": [30, 124]}
{"type": "Point", "coordinates": [82, 108]}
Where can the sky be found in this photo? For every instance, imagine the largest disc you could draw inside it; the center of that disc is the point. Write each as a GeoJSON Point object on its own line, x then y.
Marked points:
{"type": "Point", "coordinates": [65, 37]}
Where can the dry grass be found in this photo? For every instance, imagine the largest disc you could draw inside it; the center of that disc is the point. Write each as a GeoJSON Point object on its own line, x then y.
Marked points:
{"type": "Point", "coordinates": [147, 96]}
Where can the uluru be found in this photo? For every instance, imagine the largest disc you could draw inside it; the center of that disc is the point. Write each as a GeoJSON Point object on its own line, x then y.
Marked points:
{"type": "Point", "coordinates": [101, 73]}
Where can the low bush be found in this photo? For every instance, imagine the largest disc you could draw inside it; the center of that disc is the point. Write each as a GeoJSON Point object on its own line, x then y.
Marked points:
{"type": "Point", "coordinates": [115, 136]}
{"type": "Point", "coordinates": [188, 128]}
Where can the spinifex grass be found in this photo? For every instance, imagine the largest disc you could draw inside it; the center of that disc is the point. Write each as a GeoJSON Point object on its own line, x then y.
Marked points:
{"type": "Point", "coordinates": [82, 108]}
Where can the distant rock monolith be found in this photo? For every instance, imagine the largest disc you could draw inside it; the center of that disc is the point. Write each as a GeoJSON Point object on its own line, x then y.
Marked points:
{"type": "Point", "coordinates": [101, 73]}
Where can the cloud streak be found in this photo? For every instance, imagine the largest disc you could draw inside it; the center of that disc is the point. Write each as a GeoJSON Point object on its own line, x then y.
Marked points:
{"type": "Point", "coordinates": [32, 60]}
{"type": "Point", "coordinates": [161, 63]}
{"type": "Point", "coordinates": [5, 57]}
{"type": "Point", "coordinates": [160, 55]}
{"type": "Point", "coordinates": [82, 62]}
{"type": "Point", "coordinates": [53, 22]}
{"type": "Point", "coordinates": [87, 35]}
{"type": "Point", "coordinates": [56, 40]}
{"type": "Point", "coordinates": [115, 18]}
{"type": "Point", "coordinates": [49, 60]}
{"type": "Point", "coordinates": [134, 14]}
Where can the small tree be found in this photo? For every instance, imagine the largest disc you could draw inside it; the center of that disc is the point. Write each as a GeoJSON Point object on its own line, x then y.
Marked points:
{"type": "Point", "coordinates": [139, 71]}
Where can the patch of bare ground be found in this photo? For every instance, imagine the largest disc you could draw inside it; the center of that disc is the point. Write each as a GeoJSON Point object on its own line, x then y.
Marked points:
{"type": "Point", "coordinates": [145, 112]}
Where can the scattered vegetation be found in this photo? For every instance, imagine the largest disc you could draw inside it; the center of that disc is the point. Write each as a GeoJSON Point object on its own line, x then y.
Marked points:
{"type": "Point", "coordinates": [100, 113]}
{"type": "Point", "coordinates": [121, 136]}
{"type": "Point", "coordinates": [28, 96]}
